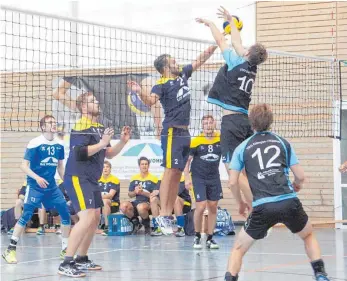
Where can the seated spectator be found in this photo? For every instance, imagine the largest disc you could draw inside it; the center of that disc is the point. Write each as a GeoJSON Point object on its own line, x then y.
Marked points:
{"type": "Point", "coordinates": [19, 208]}
{"type": "Point", "coordinates": [144, 188]}
{"type": "Point", "coordinates": [182, 205]}
{"type": "Point", "coordinates": [110, 188]}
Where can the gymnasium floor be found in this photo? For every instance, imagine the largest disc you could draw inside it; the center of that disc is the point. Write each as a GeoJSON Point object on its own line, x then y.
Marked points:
{"type": "Point", "coordinates": [139, 258]}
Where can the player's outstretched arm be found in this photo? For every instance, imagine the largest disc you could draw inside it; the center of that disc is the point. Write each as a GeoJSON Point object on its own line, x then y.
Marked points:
{"type": "Point", "coordinates": [60, 95]}
{"type": "Point", "coordinates": [235, 33]}
{"type": "Point", "coordinates": [203, 57]}
{"type": "Point", "coordinates": [114, 150]}
{"type": "Point", "coordinates": [25, 167]}
{"type": "Point", "coordinates": [217, 35]}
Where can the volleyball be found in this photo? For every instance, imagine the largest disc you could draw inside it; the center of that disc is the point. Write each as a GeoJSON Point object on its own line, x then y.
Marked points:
{"type": "Point", "coordinates": [136, 104]}
{"type": "Point", "coordinates": [238, 23]}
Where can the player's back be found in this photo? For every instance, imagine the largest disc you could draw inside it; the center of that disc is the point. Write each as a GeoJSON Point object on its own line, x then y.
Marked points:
{"type": "Point", "coordinates": [267, 158]}
{"type": "Point", "coordinates": [43, 156]}
{"type": "Point", "coordinates": [85, 133]}
{"type": "Point", "coordinates": [233, 85]}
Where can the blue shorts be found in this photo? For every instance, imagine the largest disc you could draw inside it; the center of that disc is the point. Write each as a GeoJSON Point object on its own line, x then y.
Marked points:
{"type": "Point", "coordinates": [210, 189]}
{"type": "Point", "coordinates": [83, 193]}
{"type": "Point", "coordinates": [175, 143]}
{"type": "Point", "coordinates": [49, 198]}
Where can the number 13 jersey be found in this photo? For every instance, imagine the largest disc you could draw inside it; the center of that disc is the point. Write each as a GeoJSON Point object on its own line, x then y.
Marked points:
{"type": "Point", "coordinates": [267, 159]}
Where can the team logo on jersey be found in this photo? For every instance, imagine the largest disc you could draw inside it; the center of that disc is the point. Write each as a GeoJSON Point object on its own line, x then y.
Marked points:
{"type": "Point", "coordinates": [183, 93]}
{"type": "Point", "coordinates": [210, 157]}
{"type": "Point", "coordinates": [49, 161]}
{"type": "Point", "coordinates": [260, 176]}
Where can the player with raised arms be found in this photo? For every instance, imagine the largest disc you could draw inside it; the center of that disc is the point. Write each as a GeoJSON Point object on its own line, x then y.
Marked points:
{"type": "Point", "coordinates": [232, 88]}
{"type": "Point", "coordinates": [174, 94]}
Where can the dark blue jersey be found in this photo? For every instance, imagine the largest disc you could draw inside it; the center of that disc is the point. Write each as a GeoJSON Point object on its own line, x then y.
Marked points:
{"type": "Point", "coordinates": [148, 184]}
{"type": "Point", "coordinates": [111, 182]}
{"type": "Point", "coordinates": [233, 85]}
{"type": "Point", "coordinates": [182, 191]}
{"type": "Point", "coordinates": [174, 95]}
{"type": "Point", "coordinates": [206, 156]}
{"type": "Point", "coordinates": [267, 159]}
{"type": "Point", "coordinates": [86, 133]}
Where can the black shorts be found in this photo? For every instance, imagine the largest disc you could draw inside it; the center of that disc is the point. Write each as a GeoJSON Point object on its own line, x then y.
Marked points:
{"type": "Point", "coordinates": [175, 143]}
{"type": "Point", "coordinates": [235, 128]}
{"type": "Point", "coordinates": [114, 207]}
{"type": "Point", "coordinates": [289, 212]}
{"type": "Point", "coordinates": [186, 208]}
{"type": "Point", "coordinates": [210, 189]}
{"type": "Point", "coordinates": [83, 193]}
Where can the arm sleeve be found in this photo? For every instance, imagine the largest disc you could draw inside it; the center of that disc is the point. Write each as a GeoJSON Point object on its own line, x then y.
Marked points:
{"type": "Point", "coordinates": [132, 186]}
{"type": "Point", "coordinates": [30, 154]}
{"type": "Point", "coordinates": [187, 70]}
{"type": "Point", "coordinates": [237, 162]}
{"type": "Point", "coordinates": [158, 90]}
{"type": "Point", "coordinates": [293, 160]}
{"type": "Point", "coordinates": [79, 143]}
{"type": "Point", "coordinates": [61, 153]}
{"type": "Point", "coordinates": [232, 59]}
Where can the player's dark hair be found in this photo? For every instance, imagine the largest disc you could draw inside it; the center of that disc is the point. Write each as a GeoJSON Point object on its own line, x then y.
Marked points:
{"type": "Point", "coordinates": [143, 158]}
{"type": "Point", "coordinates": [160, 62]}
{"type": "Point", "coordinates": [261, 117]}
{"type": "Point", "coordinates": [257, 54]}
{"type": "Point", "coordinates": [108, 163]}
{"type": "Point", "coordinates": [44, 119]}
{"type": "Point", "coordinates": [207, 117]}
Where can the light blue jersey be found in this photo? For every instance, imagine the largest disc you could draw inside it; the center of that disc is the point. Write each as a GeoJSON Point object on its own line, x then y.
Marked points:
{"type": "Point", "coordinates": [43, 156]}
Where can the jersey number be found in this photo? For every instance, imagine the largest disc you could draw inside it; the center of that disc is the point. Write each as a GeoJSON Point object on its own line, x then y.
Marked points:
{"type": "Point", "coordinates": [210, 148]}
{"type": "Point", "coordinates": [51, 150]}
{"type": "Point", "coordinates": [244, 84]}
{"type": "Point", "coordinates": [270, 163]}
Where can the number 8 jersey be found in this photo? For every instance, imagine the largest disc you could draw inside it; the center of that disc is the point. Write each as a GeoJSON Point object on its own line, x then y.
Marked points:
{"type": "Point", "coordinates": [233, 85]}
{"type": "Point", "coordinates": [266, 158]}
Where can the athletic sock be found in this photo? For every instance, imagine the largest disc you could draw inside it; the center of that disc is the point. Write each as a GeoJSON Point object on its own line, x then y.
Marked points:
{"type": "Point", "coordinates": [209, 237]}
{"type": "Point", "coordinates": [81, 258]}
{"type": "Point", "coordinates": [198, 234]}
{"type": "Point", "coordinates": [229, 277]}
{"type": "Point", "coordinates": [318, 267]}
{"type": "Point", "coordinates": [180, 221]}
{"type": "Point", "coordinates": [13, 243]}
{"type": "Point", "coordinates": [67, 260]}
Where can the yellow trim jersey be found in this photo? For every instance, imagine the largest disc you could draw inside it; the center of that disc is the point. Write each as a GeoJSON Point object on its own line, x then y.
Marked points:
{"type": "Point", "coordinates": [206, 154]}
{"type": "Point", "coordinates": [111, 182]}
{"type": "Point", "coordinates": [148, 184]}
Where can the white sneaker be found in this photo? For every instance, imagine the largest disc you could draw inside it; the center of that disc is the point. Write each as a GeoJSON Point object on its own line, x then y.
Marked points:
{"type": "Point", "coordinates": [165, 224]}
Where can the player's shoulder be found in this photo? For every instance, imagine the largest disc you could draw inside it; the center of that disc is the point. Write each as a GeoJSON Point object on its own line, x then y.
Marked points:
{"type": "Point", "coordinates": [152, 178]}
{"type": "Point", "coordinates": [114, 179]}
{"type": "Point", "coordinates": [242, 146]}
{"type": "Point", "coordinates": [36, 142]}
{"type": "Point", "coordinates": [196, 141]}
{"type": "Point", "coordinates": [163, 81]}
{"type": "Point", "coordinates": [85, 124]}
{"type": "Point", "coordinates": [135, 177]}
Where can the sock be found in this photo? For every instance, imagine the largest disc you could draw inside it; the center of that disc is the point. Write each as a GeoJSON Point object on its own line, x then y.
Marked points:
{"type": "Point", "coordinates": [146, 222]}
{"type": "Point", "coordinates": [106, 227]}
{"type": "Point", "coordinates": [42, 225]}
{"type": "Point", "coordinates": [13, 243]}
{"type": "Point", "coordinates": [318, 266]}
{"type": "Point", "coordinates": [57, 226]}
{"type": "Point", "coordinates": [155, 224]}
{"type": "Point", "coordinates": [81, 258]}
{"type": "Point", "coordinates": [180, 221]}
{"type": "Point", "coordinates": [198, 234]}
{"type": "Point", "coordinates": [67, 260]}
{"type": "Point", "coordinates": [209, 237]}
{"type": "Point", "coordinates": [229, 277]}
{"type": "Point", "coordinates": [64, 242]}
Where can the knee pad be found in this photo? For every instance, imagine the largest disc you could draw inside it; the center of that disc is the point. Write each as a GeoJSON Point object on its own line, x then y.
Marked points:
{"type": "Point", "coordinates": [28, 211]}
{"type": "Point", "coordinates": [64, 213]}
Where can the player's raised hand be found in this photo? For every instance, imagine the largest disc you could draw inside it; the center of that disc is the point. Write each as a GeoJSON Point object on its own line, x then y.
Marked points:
{"type": "Point", "coordinates": [133, 86]}
{"type": "Point", "coordinates": [42, 182]}
{"type": "Point", "coordinates": [125, 134]}
{"type": "Point", "coordinates": [107, 136]}
{"type": "Point", "coordinates": [138, 189]}
{"type": "Point", "coordinates": [224, 14]}
{"type": "Point", "coordinates": [204, 21]}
